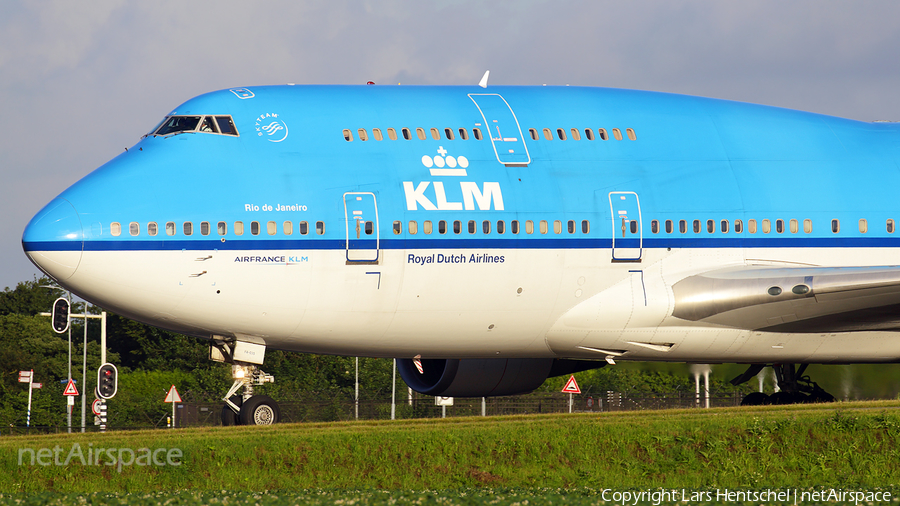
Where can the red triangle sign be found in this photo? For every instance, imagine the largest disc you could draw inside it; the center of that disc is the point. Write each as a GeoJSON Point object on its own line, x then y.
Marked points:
{"type": "Point", "coordinates": [70, 389]}
{"type": "Point", "coordinates": [571, 386]}
{"type": "Point", "coordinates": [173, 396]}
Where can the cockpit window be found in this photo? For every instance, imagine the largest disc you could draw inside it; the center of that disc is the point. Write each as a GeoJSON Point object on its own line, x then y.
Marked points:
{"type": "Point", "coordinates": [226, 126]}
{"type": "Point", "coordinates": [178, 124]}
{"type": "Point", "coordinates": [222, 125]}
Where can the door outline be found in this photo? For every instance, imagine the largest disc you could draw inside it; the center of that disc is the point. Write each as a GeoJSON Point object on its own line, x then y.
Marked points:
{"type": "Point", "coordinates": [358, 206]}
{"type": "Point", "coordinates": [620, 204]}
{"type": "Point", "coordinates": [504, 147]}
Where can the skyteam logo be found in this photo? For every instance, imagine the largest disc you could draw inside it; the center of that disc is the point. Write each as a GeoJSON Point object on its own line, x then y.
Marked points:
{"type": "Point", "coordinates": [471, 194]}
{"type": "Point", "coordinates": [269, 125]}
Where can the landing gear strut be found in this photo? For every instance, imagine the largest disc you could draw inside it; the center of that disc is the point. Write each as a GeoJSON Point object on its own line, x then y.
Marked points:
{"type": "Point", "coordinates": [249, 409]}
{"type": "Point", "coordinates": [245, 408]}
{"type": "Point", "coordinates": [794, 387]}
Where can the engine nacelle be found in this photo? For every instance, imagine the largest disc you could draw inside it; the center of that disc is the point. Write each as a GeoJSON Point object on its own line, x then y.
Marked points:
{"type": "Point", "coordinates": [485, 377]}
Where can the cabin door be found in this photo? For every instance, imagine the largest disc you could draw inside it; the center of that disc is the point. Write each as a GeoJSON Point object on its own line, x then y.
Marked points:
{"type": "Point", "coordinates": [502, 127]}
{"type": "Point", "coordinates": [361, 217]}
{"type": "Point", "coordinates": [627, 232]}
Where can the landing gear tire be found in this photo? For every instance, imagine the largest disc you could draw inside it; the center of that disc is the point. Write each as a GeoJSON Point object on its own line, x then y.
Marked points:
{"type": "Point", "coordinates": [229, 417]}
{"type": "Point", "coordinates": [260, 410]}
{"type": "Point", "coordinates": [755, 399]}
{"type": "Point", "coordinates": [783, 398]}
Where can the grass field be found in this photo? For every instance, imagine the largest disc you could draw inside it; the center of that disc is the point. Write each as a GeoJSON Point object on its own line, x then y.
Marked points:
{"type": "Point", "coordinates": [846, 446]}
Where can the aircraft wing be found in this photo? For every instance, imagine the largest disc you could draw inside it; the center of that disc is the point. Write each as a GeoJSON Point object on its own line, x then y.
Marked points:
{"type": "Point", "coordinates": [793, 299]}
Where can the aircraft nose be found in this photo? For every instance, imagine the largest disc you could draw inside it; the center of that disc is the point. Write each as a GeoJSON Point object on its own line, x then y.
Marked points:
{"type": "Point", "coordinates": [54, 239]}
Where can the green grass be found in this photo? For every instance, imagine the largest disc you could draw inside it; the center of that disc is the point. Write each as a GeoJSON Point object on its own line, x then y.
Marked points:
{"type": "Point", "coordinates": [848, 445]}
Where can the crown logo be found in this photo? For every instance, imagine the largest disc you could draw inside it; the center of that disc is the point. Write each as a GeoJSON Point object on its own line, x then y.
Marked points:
{"type": "Point", "coordinates": [443, 165]}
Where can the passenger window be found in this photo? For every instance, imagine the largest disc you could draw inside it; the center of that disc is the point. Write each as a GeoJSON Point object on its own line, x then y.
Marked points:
{"type": "Point", "coordinates": [561, 133]}
{"type": "Point", "coordinates": [398, 229]}
{"type": "Point", "coordinates": [696, 226]}
{"type": "Point", "coordinates": [320, 227]}
{"type": "Point", "coordinates": [204, 228]}
{"type": "Point", "coordinates": [134, 228]}
{"type": "Point", "coordinates": [501, 227]}
{"type": "Point", "coordinates": [514, 227]}
{"type": "Point", "coordinates": [669, 226]}
{"type": "Point", "coordinates": [547, 134]}
{"type": "Point", "coordinates": [449, 133]}
{"type": "Point", "coordinates": [654, 227]}
{"type": "Point", "coordinates": [463, 134]}
{"type": "Point", "coordinates": [476, 133]}
{"type": "Point", "coordinates": [485, 227]}
{"type": "Point", "coordinates": [376, 133]}
{"type": "Point", "coordinates": [363, 135]}
{"type": "Point", "coordinates": [187, 227]}
{"type": "Point", "coordinates": [221, 228]}
{"type": "Point", "coordinates": [435, 134]}
{"type": "Point", "coordinates": [426, 226]}
{"type": "Point", "coordinates": [304, 228]}
{"type": "Point", "coordinates": [152, 228]}
{"type": "Point", "coordinates": [534, 134]}
{"type": "Point", "coordinates": [529, 227]}
{"type": "Point", "coordinates": [557, 227]}
{"type": "Point", "coordinates": [633, 226]}
{"type": "Point", "coordinates": [738, 226]}
{"type": "Point", "coordinates": [807, 226]}
{"type": "Point", "coordinates": [471, 226]}
{"type": "Point", "coordinates": [370, 229]}
{"type": "Point", "coordinates": [751, 226]}
{"type": "Point", "coordinates": [779, 226]}
{"type": "Point", "coordinates": [571, 226]}
{"type": "Point", "coordinates": [347, 135]}
{"type": "Point", "coordinates": [576, 135]}
{"type": "Point", "coordinates": [271, 228]}
{"type": "Point", "coordinates": [710, 226]}
{"type": "Point", "coordinates": [766, 226]}
{"type": "Point", "coordinates": [617, 134]}
{"type": "Point", "coordinates": [406, 134]}
{"type": "Point", "coordinates": [603, 135]}
{"type": "Point", "coordinates": [724, 226]}
{"type": "Point", "coordinates": [543, 226]}
{"type": "Point", "coordinates": [457, 227]}
{"type": "Point", "coordinates": [412, 228]}
{"type": "Point", "coordinates": [889, 226]}
{"type": "Point", "coordinates": [795, 226]}
{"type": "Point", "coordinates": [863, 226]}
{"type": "Point", "coordinates": [288, 228]}
{"type": "Point", "coordinates": [589, 134]}
{"type": "Point", "coordinates": [682, 226]}
{"type": "Point", "coordinates": [442, 227]}
{"type": "Point", "coordinates": [585, 226]}
{"type": "Point", "coordinates": [254, 228]}
{"type": "Point", "coordinates": [239, 228]}
{"type": "Point", "coordinates": [170, 228]}
{"type": "Point", "coordinates": [226, 126]}
{"type": "Point", "coordinates": [392, 134]}
{"type": "Point", "coordinates": [630, 133]}
{"type": "Point", "coordinates": [115, 228]}
{"type": "Point", "coordinates": [835, 226]}
{"type": "Point", "coordinates": [420, 133]}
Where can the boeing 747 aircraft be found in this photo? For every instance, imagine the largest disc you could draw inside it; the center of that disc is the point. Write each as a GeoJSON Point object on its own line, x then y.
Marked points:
{"type": "Point", "coordinates": [491, 237]}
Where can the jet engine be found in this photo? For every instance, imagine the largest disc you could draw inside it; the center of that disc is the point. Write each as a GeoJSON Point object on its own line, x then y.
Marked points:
{"type": "Point", "coordinates": [485, 377]}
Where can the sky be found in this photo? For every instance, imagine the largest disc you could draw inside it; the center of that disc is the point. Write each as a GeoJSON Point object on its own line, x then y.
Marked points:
{"type": "Point", "coordinates": [81, 81]}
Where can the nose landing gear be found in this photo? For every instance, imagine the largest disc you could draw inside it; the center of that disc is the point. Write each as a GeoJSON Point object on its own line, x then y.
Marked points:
{"type": "Point", "coordinates": [794, 387]}
{"type": "Point", "coordinates": [249, 409]}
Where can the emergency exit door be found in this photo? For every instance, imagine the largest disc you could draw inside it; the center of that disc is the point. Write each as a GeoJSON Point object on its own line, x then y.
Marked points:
{"type": "Point", "coordinates": [502, 128]}
{"type": "Point", "coordinates": [627, 232]}
{"type": "Point", "coordinates": [361, 217]}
